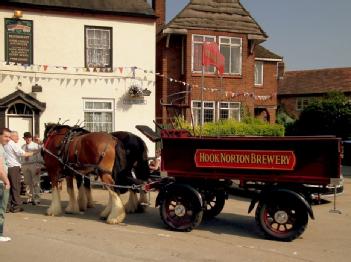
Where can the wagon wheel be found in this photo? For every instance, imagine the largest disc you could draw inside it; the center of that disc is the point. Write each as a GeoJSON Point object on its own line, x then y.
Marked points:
{"type": "Point", "coordinates": [285, 220]}
{"type": "Point", "coordinates": [181, 211]}
{"type": "Point", "coordinates": [214, 203]}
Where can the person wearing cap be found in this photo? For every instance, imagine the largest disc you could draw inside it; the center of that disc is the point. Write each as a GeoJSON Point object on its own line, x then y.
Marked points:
{"type": "Point", "coordinates": [31, 166]}
{"type": "Point", "coordinates": [13, 153]}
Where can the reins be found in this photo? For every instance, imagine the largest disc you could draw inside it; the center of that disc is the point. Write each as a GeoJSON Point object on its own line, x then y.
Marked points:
{"type": "Point", "coordinates": [133, 187]}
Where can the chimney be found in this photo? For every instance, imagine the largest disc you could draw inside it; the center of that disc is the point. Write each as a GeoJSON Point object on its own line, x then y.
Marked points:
{"type": "Point", "coordinates": [159, 7]}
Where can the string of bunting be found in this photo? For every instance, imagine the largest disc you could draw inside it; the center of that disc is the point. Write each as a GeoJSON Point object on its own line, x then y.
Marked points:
{"type": "Point", "coordinates": [118, 73]}
{"type": "Point", "coordinates": [243, 94]}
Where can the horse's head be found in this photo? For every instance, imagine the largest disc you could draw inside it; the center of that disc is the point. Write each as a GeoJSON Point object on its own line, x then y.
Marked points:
{"type": "Point", "coordinates": [52, 129]}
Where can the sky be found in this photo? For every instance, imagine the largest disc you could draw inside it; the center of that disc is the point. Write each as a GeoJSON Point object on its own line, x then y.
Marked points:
{"type": "Point", "coordinates": [309, 34]}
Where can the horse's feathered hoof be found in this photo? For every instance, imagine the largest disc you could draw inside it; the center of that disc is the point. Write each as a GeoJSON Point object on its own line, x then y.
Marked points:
{"type": "Point", "coordinates": [115, 221]}
{"type": "Point", "coordinates": [52, 214]}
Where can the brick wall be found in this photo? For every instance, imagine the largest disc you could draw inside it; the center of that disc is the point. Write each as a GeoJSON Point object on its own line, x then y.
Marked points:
{"type": "Point", "coordinates": [269, 87]}
{"type": "Point", "coordinates": [169, 64]}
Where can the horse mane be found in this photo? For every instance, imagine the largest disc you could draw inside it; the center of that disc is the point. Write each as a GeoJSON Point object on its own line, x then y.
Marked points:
{"type": "Point", "coordinates": [54, 127]}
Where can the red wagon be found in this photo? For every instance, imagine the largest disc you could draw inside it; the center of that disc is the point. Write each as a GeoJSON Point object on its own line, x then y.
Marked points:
{"type": "Point", "coordinates": [198, 173]}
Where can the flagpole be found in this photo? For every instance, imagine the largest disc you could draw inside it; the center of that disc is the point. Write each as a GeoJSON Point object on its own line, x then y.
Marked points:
{"type": "Point", "coordinates": [202, 99]}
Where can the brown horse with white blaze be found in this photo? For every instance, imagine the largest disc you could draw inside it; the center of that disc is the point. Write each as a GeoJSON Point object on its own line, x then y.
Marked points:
{"type": "Point", "coordinates": [87, 153]}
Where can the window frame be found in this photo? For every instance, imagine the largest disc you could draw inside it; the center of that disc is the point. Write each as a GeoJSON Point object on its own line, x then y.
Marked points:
{"type": "Point", "coordinates": [230, 48]}
{"type": "Point", "coordinates": [193, 53]}
{"type": "Point", "coordinates": [100, 100]}
{"type": "Point", "coordinates": [110, 29]}
{"type": "Point", "coordinates": [205, 108]}
{"type": "Point", "coordinates": [300, 103]}
{"type": "Point", "coordinates": [219, 108]}
{"type": "Point", "coordinates": [262, 76]}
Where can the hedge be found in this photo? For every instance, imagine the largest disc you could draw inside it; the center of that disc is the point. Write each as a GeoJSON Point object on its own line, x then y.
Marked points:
{"type": "Point", "coordinates": [248, 127]}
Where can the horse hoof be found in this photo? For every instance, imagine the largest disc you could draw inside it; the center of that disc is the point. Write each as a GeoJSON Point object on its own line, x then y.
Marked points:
{"type": "Point", "coordinates": [115, 221]}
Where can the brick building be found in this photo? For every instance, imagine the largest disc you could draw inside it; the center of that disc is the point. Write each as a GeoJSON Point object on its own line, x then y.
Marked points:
{"type": "Point", "coordinates": [298, 88]}
{"type": "Point", "coordinates": [249, 85]}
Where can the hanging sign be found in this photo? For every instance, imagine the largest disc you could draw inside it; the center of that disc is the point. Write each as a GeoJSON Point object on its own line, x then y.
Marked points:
{"type": "Point", "coordinates": [19, 41]}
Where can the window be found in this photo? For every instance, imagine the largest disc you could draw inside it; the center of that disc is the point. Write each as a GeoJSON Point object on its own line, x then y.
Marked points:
{"type": "Point", "coordinates": [302, 103]}
{"type": "Point", "coordinates": [198, 40]}
{"type": "Point", "coordinates": [98, 43]}
{"type": "Point", "coordinates": [209, 112]}
{"type": "Point", "coordinates": [231, 49]}
{"type": "Point", "coordinates": [229, 110]}
{"type": "Point", "coordinates": [98, 115]}
{"type": "Point", "coordinates": [258, 73]}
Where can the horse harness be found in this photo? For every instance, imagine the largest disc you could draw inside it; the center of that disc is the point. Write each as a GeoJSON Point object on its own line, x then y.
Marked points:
{"type": "Point", "coordinates": [63, 152]}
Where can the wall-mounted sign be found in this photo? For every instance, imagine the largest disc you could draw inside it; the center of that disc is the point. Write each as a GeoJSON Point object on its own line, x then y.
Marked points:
{"type": "Point", "coordinates": [245, 159]}
{"type": "Point", "coordinates": [19, 41]}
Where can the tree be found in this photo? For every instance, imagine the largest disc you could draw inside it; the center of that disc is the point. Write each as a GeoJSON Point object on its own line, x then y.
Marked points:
{"type": "Point", "coordinates": [328, 116]}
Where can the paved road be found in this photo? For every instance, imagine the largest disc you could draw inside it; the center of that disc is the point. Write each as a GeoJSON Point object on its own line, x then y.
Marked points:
{"type": "Point", "coordinates": [232, 236]}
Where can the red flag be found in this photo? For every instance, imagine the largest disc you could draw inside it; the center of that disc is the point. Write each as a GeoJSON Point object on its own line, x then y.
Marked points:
{"type": "Point", "coordinates": [212, 56]}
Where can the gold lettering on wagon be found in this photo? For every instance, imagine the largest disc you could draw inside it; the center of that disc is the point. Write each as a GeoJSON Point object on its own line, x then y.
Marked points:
{"type": "Point", "coordinates": [249, 158]}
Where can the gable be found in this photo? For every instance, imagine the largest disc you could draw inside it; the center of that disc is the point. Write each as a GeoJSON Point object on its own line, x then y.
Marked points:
{"type": "Point", "coordinates": [217, 15]}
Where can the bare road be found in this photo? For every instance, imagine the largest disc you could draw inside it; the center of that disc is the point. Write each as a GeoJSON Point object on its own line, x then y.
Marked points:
{"type": "Point", "coordinates": [232, 236]}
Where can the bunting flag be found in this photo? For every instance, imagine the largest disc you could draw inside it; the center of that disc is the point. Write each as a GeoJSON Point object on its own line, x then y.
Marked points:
{"type": "Point", "coordinates": [212, 56]}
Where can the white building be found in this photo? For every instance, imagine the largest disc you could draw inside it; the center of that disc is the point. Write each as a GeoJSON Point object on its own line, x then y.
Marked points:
{"type": "Point", "coordinates": [77, 61]}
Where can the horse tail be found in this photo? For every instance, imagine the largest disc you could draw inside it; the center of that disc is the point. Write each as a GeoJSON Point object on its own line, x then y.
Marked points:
{"type": "Point", "coordinates": [120, 160]}
{"type": "Point", "coordinates": [144, 147]}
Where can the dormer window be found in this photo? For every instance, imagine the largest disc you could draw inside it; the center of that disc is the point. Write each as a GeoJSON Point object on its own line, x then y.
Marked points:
{"type": "Point", "coordinates": [231, 49]}
{"type": "Point", "coordinates": [198, 41]}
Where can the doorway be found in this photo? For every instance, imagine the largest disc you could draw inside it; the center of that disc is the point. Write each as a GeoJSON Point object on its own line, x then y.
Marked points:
{"type": "Point", "coordinates": [20, 118]}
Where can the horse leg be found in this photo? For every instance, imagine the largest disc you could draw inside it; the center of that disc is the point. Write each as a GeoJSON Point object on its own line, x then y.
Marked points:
{"type": "Point", "coordinates": [87, 186]}
{"type": "Point", "coordinates": [115, 207]}
{"type": "Point", "coordinates": [104, 214]}
{"type": "Point", "coordinates": [132, 204]}
{"type": "Point", "coordinates": [72, 207]}
{"type": "Point", "coordinates": [82, 196]}
{"type": "Point", "coordinates": [143, 202]}
{"type": "Point", "coordinates": [55, 208]}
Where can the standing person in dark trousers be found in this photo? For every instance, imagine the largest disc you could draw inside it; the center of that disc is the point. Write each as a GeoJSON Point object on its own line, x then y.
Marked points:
{"type": "Point", "coordinates": [4, 182]}
{"type": "Point", "coordinates": [13, 152]}
{"type": "Point", "coordinates": [31, 167]}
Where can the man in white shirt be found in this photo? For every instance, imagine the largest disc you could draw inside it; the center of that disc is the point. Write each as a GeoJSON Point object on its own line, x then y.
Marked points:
{"type": "Point", "coordinates": [13, 152]}
{"type": "Point", "coordinates": [31, 169]}
{"type": "Point", "coordinates": [4, 182]}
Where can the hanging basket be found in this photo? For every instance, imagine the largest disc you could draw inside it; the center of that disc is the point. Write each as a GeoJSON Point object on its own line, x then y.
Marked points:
{"type": "Point", "coordinates": [135, 91]}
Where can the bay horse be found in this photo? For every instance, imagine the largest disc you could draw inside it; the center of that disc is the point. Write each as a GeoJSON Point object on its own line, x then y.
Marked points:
{"type": "Point", "coordinates": [96, 152]}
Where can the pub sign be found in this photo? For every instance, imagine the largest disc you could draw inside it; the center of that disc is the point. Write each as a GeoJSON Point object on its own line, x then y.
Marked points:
{"type": "Point", "coordinates": [19, 41]}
